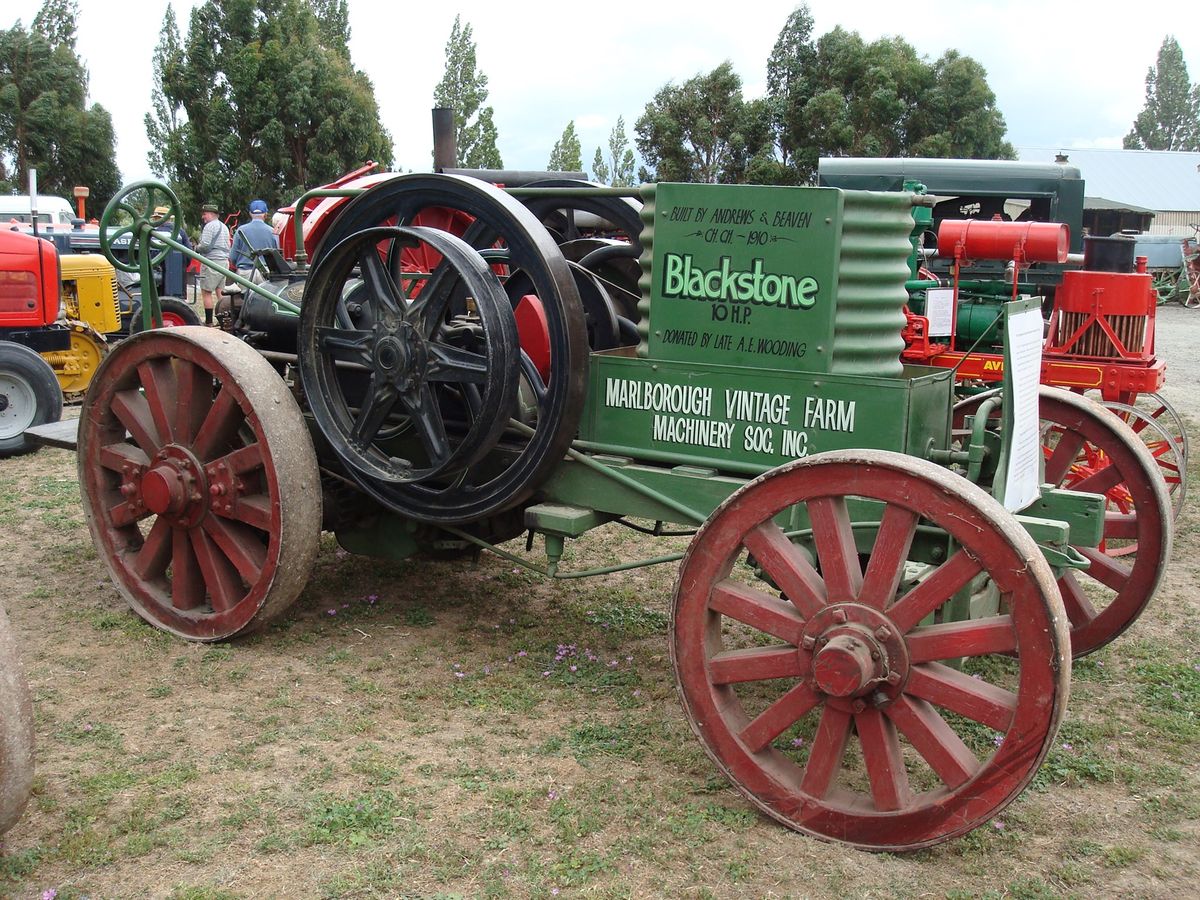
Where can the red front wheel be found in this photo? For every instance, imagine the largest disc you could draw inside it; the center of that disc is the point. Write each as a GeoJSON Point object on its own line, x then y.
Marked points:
{"type": "Point", "coordinates": [200, 483]}
{"type": "Point", "coordinates": [830, 693]}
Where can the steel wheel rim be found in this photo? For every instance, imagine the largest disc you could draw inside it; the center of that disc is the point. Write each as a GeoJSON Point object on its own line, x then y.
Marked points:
{"type": "Point", "coordinates": [20, 405]}
{"type": "Point", "coordinates": [193, 431]}
{"type": "Point", "coordinates": [1167, 451]}
{"type": "Point", "coordinates": [325, 342]}
{"type": "Point", "coordinates": [807, 797]}
{"type": "Point", "coordinates": [495, 215]}
{"type": "Point", "coordinates": [1123, 469]}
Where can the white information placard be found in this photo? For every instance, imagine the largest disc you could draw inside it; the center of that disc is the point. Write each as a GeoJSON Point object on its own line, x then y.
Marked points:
{"type": "Point", "coordinates": [939, 310]}
{"type": "Point", "coordinates": [1023, 341]}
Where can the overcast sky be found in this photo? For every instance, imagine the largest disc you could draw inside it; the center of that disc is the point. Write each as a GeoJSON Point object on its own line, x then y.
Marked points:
{"type": "Point", "coordinates": [1065, 74]}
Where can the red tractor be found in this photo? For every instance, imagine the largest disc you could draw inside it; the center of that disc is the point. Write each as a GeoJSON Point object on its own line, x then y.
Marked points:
{"type": "Point", "coordinates": [29, 308]}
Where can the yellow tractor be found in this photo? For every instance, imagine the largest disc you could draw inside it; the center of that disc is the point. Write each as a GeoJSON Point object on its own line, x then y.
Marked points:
{"type": "Point", "coordinates": [89, 311]}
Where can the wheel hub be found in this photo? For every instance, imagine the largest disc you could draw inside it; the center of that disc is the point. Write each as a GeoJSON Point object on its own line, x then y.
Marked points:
{"type": "Point", "coordinates": [401, 356]}
{"type": "Point", "coordinates": [853, 652]}
{"type": "Point", "coordinates": [174, 486]}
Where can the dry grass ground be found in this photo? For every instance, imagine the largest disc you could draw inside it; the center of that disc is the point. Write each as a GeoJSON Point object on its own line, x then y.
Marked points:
{"type": "Point", "coordinates": [441, 729]}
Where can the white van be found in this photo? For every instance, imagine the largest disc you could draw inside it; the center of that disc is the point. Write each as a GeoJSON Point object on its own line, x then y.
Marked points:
{"type": "Point", "coordinates": [51, 210]}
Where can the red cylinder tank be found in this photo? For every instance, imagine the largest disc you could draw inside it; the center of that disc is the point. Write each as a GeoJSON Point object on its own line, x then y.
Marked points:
{"type": "Point", "coordinates": [982, 239]}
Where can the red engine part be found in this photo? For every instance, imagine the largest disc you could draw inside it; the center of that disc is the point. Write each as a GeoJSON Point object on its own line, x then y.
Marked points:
{"type": "Point", "coordinates": [1024, 241]}
{"type": "Point", "coordinates": [29, 281]}
{"type": "Point", "coordinates": [917, 347]}
{"type": "Point", "coordinates": [1103, 315]}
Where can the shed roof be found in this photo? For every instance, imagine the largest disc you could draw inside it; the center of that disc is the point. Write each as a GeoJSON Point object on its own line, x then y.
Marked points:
{"type": "Point", "coordinates": [1091, 202]}
{"type": "Point", "coordinates": [1163, 180]}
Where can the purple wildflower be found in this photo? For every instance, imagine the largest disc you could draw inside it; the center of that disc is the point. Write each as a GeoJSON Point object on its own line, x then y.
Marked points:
{"type": "Point", "coordinates": [998, 825]}
{"type": "Point", "coordinates": [798, 742]}
{"type": "Point", "coordinates": [332, 612]}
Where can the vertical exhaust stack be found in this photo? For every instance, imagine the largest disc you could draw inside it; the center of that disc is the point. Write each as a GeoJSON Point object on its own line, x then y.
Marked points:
{"type": "Point", "coordinates": [445, 141]}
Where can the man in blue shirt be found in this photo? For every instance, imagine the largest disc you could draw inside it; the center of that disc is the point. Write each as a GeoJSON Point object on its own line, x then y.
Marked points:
{"type": "Point", "coordinates": [254, 235]}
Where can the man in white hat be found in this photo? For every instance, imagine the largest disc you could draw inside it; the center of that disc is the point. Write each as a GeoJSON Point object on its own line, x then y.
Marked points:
{"type": "Point", "coordinates": [214, 246]}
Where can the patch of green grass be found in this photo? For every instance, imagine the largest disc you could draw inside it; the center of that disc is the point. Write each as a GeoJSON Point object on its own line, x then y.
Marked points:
{"type": "Point", "coordinates": [1121, 857]}
{"type": "Point", "coordinates": [418, 617]}
{"type": "Point", "coordinates": [356, 821]}
{"type": "Point", "coordinates": [202, 892]}
{"type": "Point", "coordinates": [626, 739]}
{"type": "Point", "coordinates": [20, 864]}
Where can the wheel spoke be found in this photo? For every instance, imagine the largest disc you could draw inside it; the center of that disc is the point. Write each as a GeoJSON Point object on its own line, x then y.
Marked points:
{"type": "Point", "coordinates": [886, 565]}
{"type": "Point", "coordinates": [1079, 608]}
{"type": "Point", "coordinates": [454, 364]}
{"type": "Point", "coordinates": [787, 566]}
{"type": "Point", "coordinates": [346, 344]}
{"type": "Point", "coordinates": [377, 405]}
{"type": "Point", "coordinates": [187, 584]}
{"type": "Point", "coordinates": [115, 457]}
{"type": "Point", "coordinates": [125, 513]}
{"type": "Point", "coordinates": [942, 584]}
{"type": "Point", "coordinates": [219, 427]}
{"type": "Point", "coordinates": [756, 664]}
{"type": "Point", "coordinates": [934, 739]}
{"type": "Point", "coordinates": [154, 556]}
{"type": "Point", "coordinates": [388, 301]}
{"type": "Point", "coordinates": [132, 410]}
{"type": "Point", "coordinates": [1120, 526]}
{"type": "Point", "coordinates": [1064, 453]}
{"type": "Point", "coordinates": [243, 460]}
{"type": "Point", "coordinates": [954, 640]}
{"type": "Point", "coordinates": [162, 394]}
{"type": "Point", "coordinates": [883, 759]}
{"type": "Point", "coordinates": [224, 587]}
{"type": "Point", "coordinates": [1100, 482]}
{"type": "Point", "coordinates": [195, 398]}
{"type": "Point", "coordinates": [978, 700]}
{"type": "Point", "coordinates": [427, 418]}
{"type": "Point", "coordinates": [827, 751]}
{"type": "Point", "coordinates": [758, 610]}
{"type": "Point", "coordinates": [835, 548]}
{"type": "Point", "coordinates": [241, 546]}
{"type": "Point", "coordinates": [254, 511]}
{"type": "Point", "coordinates": [779, 717]}
{"type": "Point", "coordinates": [1108, 571]}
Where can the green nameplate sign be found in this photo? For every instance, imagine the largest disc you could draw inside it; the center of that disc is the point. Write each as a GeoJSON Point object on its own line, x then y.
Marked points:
{"type": "Point", "coordinates": [745, 275]}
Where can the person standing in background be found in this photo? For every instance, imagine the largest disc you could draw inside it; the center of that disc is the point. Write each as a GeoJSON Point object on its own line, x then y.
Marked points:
{"type": "Point", "coordinates": [254, 235]}
{"type": "Point", "coordinates": [214, 246]}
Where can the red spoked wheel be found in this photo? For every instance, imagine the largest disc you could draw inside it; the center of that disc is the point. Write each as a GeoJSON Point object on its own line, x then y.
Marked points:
{"type": "Point", "coordinates": [1087, 448]}
{"type": "Point", "coordinates": [199, 481]}
{"type": "Point", "coordinates": [828, 701]}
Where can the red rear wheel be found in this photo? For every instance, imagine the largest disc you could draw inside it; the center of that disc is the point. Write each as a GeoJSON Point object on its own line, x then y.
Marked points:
{"type": "Point", "coordinates": [1087, 448]}
{"type": "Point", "coordinates": [200, 482]}
{"type": "Point", "coordinates": [833, 701]}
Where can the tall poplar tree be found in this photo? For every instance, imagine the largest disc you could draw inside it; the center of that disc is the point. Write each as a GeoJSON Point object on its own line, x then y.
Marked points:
{"type": "Point", "coordinates": [567, 155]}
{"type": "Point", "coordinates": [463, 88]}
{"type": "Point", "coordinates": [1170, 119]}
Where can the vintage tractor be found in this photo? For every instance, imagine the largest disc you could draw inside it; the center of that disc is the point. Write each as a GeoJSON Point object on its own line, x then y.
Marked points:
{"type": "Point", "coordinates": [991, 233]}
{"type": "Point", "coordinates": [868, 630]}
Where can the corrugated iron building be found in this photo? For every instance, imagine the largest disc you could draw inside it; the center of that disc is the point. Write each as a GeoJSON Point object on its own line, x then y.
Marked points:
{"type": "Point", "coordinates": [1166, 182]}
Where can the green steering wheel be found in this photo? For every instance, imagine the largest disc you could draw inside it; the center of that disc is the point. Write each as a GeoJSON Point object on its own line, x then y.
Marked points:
{"type": "Point", "coordinates": [138, 202]}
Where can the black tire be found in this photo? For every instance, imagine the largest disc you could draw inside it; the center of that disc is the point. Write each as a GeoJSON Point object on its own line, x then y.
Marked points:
{"type": "Point", "coordinates": [29, 395]}
{"type": "Point", "coordinates": [172, 306]}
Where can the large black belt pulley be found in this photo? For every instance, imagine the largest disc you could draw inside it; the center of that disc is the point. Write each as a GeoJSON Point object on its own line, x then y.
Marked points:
{"type": "Point", "coordinates": [414, 377]}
